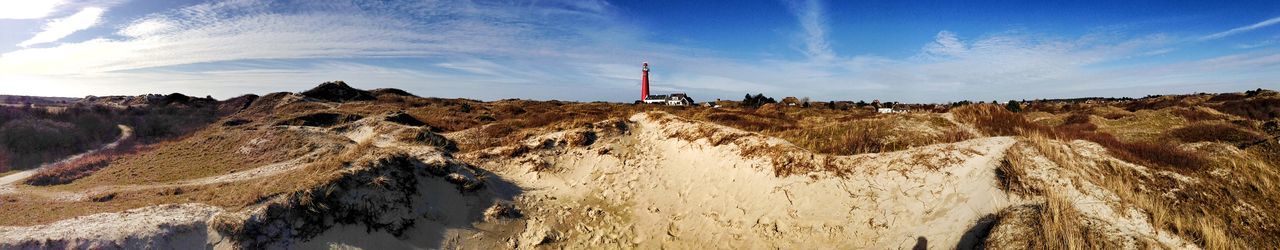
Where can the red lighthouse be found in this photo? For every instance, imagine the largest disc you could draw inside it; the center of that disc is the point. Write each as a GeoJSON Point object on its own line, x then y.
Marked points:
{"type": "Point", "coordinates": [644, 83]}
{"type": "Point", "coordinates": [673, 99]}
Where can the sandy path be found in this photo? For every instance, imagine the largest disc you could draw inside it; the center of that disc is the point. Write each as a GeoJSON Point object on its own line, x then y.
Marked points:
{"type": "Point", "coordinates": [7, 182]}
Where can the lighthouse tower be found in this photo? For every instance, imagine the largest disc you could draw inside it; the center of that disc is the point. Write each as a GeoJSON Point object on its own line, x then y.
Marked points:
{"type": "Point", "coordinates": [644, 83]}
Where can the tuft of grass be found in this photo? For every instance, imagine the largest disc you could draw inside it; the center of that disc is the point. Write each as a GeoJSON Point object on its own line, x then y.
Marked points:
{"type": "Point", "coordinates": [1011, 176]}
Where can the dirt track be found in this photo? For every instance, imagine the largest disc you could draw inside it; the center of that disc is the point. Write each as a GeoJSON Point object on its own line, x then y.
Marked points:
{"type": "Point", "coordinates": [6, 183]}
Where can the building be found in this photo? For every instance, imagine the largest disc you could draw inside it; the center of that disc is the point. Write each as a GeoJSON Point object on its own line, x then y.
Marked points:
{"type": "Point", "coordinates": [890, 110]}
{"type": "Point", "coordinates": [791, 101]}
{"type": "Point", "coordinates": [674, 99]}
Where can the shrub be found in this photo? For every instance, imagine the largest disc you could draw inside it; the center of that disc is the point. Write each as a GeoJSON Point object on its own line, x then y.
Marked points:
{"type": "Point", "coordinates": [424, 135]}
{"type": "Point", "coordinates": [1257, 108]}
{"type": "Point", "coordinates": [1013, 106]}
{"type": "Point", "coordinates": [1215, 132]}
{"type": "Point", "coordinates": [32, 141]}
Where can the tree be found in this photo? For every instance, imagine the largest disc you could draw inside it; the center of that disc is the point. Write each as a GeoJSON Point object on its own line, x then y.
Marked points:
{"type": "Point", "coordinates": [1013, 106]}
{"type": "Point", "coordinates": [756, 101]}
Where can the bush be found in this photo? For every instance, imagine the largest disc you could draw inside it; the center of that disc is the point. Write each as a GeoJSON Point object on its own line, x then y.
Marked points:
{"type": "Point", "coordinates": [1261, 109]}
{"type": "Point", "coordinates": [1013, 106]}
{"type": "Point", "coordinates": [31, 142]}
{"type": "Point", "coordinates": [1215, 132]}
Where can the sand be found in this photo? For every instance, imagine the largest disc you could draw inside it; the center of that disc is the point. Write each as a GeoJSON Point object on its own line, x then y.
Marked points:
{"type": "Point", "coordinates": [645, 187]}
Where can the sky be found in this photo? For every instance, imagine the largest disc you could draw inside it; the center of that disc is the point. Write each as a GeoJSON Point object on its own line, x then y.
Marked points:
{"type": "Point", "coordinates": [591, 50]}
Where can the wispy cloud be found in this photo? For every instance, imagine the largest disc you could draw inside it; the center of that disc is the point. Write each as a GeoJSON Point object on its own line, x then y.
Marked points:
{"type": "Point", "coordinates": [1268, 22]}
{"type": "Point", "coordinates": [812, 17]}
{"type": "Point", "coordinates": [59, 28]}
{"type": "Point", "coordinates": [582, 50]}
{"type": "Point", "coordinates": [28, 9]}
{"type": "Point", "coordinates": [240, 30]}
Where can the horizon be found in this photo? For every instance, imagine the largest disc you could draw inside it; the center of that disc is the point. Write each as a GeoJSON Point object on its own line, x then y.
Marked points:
{"type": "Point", "coordinates": [592, 50]}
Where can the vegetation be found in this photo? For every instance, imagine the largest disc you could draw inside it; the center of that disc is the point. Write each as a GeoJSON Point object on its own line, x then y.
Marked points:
{"type": "Point", "coordinates": [1215, 132]}
{"type": "Point", "coordinates": [1149, 155]}
{"type": "Point", "coordinates": [1013, 106]}
{"type": "Point", "coordinates": [33, 136]}
{"type": "Point", "coordinates": [756, 101]}
{"type": "Point", "coordinates": [68, 171]}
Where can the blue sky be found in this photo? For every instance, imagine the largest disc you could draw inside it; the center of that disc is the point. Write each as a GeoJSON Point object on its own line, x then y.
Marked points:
{"type": "Point", "coordinates": [588, 50]}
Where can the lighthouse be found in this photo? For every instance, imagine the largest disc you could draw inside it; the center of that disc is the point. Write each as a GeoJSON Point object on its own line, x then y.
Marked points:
{"type": "Point", "coordinates": [644, 83]}
{"type": "Point", "coordinates": [674, 99]}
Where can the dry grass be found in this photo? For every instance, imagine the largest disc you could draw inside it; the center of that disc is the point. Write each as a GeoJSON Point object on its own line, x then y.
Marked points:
{"type": "Point", "coordinates": [66, 172]}
{"type": "Point", "coordinates": [996, 121]}
{"type": "Point", "coordinates": [25, 210]}
{"type": "Point", "coordinates": [872, 136]}
{"type": "Point", "coordinates": [1012, 178]}
{"type": "Point", "coordinates": [1198, 114]}
{"type": "Point", "coordinates": [1064, 227]}
{"type": "Point", "coordinates": [838, 132]}
{"type": "Point", "coordinates": [209, 153]}
{"type": "Point", "coordinates": [1208, 212]}
{"type": "Point", "coordinates": [1260, 108]}
{"type": "Point", "coordinates": [1145, 125]}
{"type": "Point", "coordinates": [1215, 132]}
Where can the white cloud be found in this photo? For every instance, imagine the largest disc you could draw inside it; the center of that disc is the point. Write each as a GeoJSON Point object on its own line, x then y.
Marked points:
{"type": "Point", "coordinates": [59, 28]}
{"type": "Point", "coordinates": [1234, 31]}
{"type": "Point", "coordinates": [946, 44]}
{"type": "Point", "coordinates": [147, 27]}
{"type": "Point", "coordinates": [28, 9]}
{"type": "Point", "coordinates": [813, 22]}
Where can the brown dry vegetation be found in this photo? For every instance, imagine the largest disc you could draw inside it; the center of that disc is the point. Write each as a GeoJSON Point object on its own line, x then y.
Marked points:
{"type": "Point", "coordinates": [1215, 132]}
{"type": "Point", "coordinates": [65, 172]}
{"type": "Point", "coordinates": [207, 153]}
{"type": "Point", "coordinates": [995, 120]}
{"type": "Point", "coordinates": [1211, 212]}
{"type": "Point", "coordinates": [1216, 212]}
{"type": "Point", "coordinates": [1220, 210]}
